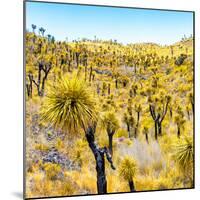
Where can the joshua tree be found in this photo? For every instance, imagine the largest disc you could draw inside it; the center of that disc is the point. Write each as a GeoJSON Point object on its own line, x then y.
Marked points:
{"type": "Point", "coordinates": [129, 121]}
{"type": "Point", "coordinates": [127, 171]}
{"type": "Point", "coordinates": [146, 131]}
{"type": "Point", "coordinates": [42, 30]}
{"type": "Point", "coordinates": [29, 85]}
{"type": "Point", "coordinates": [191, 100]}
{"type": "Point", "coordinates": [49, 37]}
{"type": "Point", "coordinates": [40, 83]}
{"type": "Point", "coordinates": [158, 110]}
{"type": "Point", "coordinates": [138, 109]}
{"type": "Point", "coordinates": [133, 90]}
{"type": "Point", "coordinates": [179, 120]}
{"type": "Point", "coordinates": [33, 27]}
{"type": "Point", "coordinates": [172, 51]}
{"type": "Point", "coordinates": [111, 124]}
{"type": "Point", "coordinates": [108, 88]}
{"type": "Point", "coordinates": [70, 105]}
{"type": "Point", "coordinates": [90, 76]}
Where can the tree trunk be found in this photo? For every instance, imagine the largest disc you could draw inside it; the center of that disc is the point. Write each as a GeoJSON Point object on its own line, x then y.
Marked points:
{"type": "Point", "coordinates": [179, 131]}
{"type": "Point", "coordinates": [116, 84]}
{"type": "Point", "coordinates": [171, 112]}
{"type": "Point", "coordinates": [90, 77]}
{"type": "Point", "coordinates": [160, 128]}
{"type": "Point", "coordinates": [28, 89]}
{"type": "Point", "coordinates": [192, 108]}
{"type": "Point", "coordinates": [85, 72]}
{"type": "Point", "coordinates": [99, 158]}
{"type": "Point", "coordinates": [77, 60]}
{"type": "Point", "coordinates": [147, 138]}
{"type": "Point", "coordinates": [109, 89]}
{"type": "Point", "coordinates": [69, 66]}
{"type": "Point", "coordinates": [100, 162]}
{"type": "Point", "coordinates": [136, 127]}
{"type": "Point", "coordinates": [128, 129]}
{"type": "Point", "coordinates": [131, 185]}
{"type": "Point", "coordinates": [188, 114]}
{"type": "Point", "coordinates": [110, 136]}
{"type": "Point", "coordinates": [135, 69]}
{"type": "Point", "coordinates": [156, 130]}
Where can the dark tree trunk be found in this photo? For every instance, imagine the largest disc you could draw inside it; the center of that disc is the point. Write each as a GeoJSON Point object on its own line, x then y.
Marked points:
{"type": "Point", "coordinates": [39, 79]}
{"type": "Point", "coordinates": [90, 77]}
{"type": "Point", "coordinates": [132, 186]}
{"type": "Point", "coordinates": [98, 89]}
{"type": "Point", "coordinates": [93, 76]}
{"type": "Point", "coordinates": [192, 108]}
{"type": "Point", "coordinates": [30, 86]}
{"type": "Point", "coordinates": [85, 72]}
{"type": "Point", "coordinates": [178, 131]}
{"type": "Point", "coordinates": [136, 127]}
{"type": "Point", "coordinates": [110, 136]}
{"type": "Point", "coordinates": [99, 154]}
{"type": "Point", "coordinates": [69, 66]}
{"type": "Point", "coordinates": [188, 114]}
{"type": "Point", "coordinates": [160, 128]}
{"type": "Point", "coordinates": [128, 129]}
{"type": "Point", "coordinates": [147, 138]}
{"type": "Point", "coordinates": [116, 84]}
{"type": "Point", "coordinates": [109, 89]}
{"type": "Point", "coordinates": [28, 89]}
{"type": "Point", "coordinates": [43, 86]}
{"type": "Point", "coordinates": [134, 91]}
{"type": "Point", "coordinates": [156, 130]}
{"type": "Point", "coordinates": [77, 59]}
{"type": "Point", "coordinates": [46, 71]}
{"type": "Point", "coordinates": [171, 112]}
{"type": "Point", "coordinates": [100, 162]}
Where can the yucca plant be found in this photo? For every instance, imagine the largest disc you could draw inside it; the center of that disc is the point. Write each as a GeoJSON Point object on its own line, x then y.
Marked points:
{"type": "Point", "coordinates": [179, 119]}
{"type": "Point", "coordinates": [70, 105]}
{"type": "Point", "coordinates": [111, 124]}
{"type": "Point", "coordinates": [184, 155]}
{"type": "Point", "coordinates": [129, 121]}
{"type": "Point", "coordinates": [128, 170]}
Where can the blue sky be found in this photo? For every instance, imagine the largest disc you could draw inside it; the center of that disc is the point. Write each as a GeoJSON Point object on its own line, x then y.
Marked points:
{"type": "Point", "coordinates": [125, 25]}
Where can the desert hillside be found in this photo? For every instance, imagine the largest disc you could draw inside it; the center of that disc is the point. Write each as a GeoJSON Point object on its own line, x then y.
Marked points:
{"type": "Point", "coordinates": [137, 100]}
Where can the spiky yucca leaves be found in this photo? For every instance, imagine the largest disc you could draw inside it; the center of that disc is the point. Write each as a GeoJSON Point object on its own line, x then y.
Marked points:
{"type": "Point", "coordinates": [183, 155]}
{"type": "Point", "coordinates": [128, 170]}
{"type": "Point", "coordinates": [111, 124]}
{"type": "Point", "coordinates": [69, 104]}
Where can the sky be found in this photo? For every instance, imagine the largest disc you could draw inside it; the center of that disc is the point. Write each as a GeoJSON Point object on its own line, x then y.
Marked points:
{"type": "Point", "coordinates": [126, 25]}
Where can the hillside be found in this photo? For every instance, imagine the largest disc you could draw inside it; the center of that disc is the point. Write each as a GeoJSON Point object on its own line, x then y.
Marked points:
{"type": "Point", "coordinates": [142, 98]}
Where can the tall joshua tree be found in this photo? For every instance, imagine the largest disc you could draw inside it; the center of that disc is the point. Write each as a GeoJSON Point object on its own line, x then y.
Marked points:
{"type": "Point", "coordinates": [179, 120]}
{"type": "Point", "coordinates": [158, 110]}
{"type": "Point", "coordinates": [129, 121]}
{"type": "Point", "coordinates": [41, 80]}
{"type": "Point", "coordinates": [33, 27]}
{"type": "Point", "coordinates": [42, 30]}
{"type": "Point", "coordinates": [146, 131]}
{"type": "Point", "coordinates": [127, 171]}
{"type": "Point", "coordinates": [69, 105]}
{"type": "Point", "coordinates": [111, 124]}
{"type": "Point", "coordinates": [191, 100]}
{"type": "Point", "coordinates": [138, 109]}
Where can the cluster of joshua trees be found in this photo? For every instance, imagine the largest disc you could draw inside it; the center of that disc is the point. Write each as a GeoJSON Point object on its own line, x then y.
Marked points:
{"type": "Point", "coordinates": [71, 105]}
